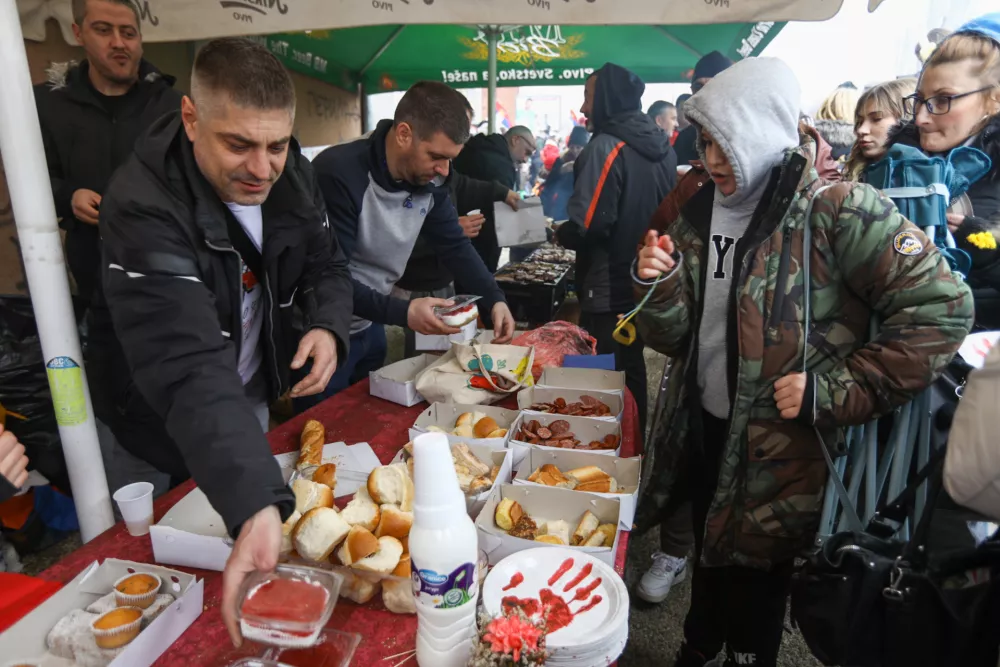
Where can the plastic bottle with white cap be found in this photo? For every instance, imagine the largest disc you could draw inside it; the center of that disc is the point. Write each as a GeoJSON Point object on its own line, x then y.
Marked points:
{"type": "Point", "coordinates": [444, 550]}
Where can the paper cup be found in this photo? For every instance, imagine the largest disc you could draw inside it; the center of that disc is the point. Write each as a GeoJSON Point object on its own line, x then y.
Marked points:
{"type": "Point", "coordinates": [141, 600]}
{"type": "Point", "coordinates": [135, 502]}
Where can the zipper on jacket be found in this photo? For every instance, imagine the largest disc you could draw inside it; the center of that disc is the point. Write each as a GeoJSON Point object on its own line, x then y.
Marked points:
{"type": "Point", "coordinates": [778, 302]}
{"type": "Point", "coordinates": [270, 334]}
{"type": "Point", "coordinates": [239, 292]}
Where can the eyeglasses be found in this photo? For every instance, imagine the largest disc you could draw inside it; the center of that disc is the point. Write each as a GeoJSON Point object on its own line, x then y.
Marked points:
{"type": "Point", "coordinates": [938, 105]}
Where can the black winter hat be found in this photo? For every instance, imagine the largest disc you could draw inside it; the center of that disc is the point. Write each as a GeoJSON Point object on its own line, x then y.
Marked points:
{"type": "Point", "coordinates": [711, 65]}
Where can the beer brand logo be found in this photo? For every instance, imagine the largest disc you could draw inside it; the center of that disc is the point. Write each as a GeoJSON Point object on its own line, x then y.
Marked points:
{"type": "Point", "coordinates": [259, 6]}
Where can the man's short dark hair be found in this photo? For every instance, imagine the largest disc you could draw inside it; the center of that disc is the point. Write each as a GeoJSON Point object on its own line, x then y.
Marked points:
{"type": "Point", "coordinates": [80, 9]}
{"type": "Point", "coordinates": [658, 108]}
{"type": "Point", "coordinates": [430, 107]}
{"type": "Point", "coordinates": [683, 98]}
{"type": "Point", "coordinates": [246, 71]}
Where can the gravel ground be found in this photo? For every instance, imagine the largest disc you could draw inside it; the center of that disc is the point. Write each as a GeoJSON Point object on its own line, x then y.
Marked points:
{"type": "Point", "coordinates": [656, 631]}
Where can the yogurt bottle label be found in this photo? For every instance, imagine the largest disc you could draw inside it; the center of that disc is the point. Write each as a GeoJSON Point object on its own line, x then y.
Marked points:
{"type": "Point", "coordinates": [444, 591]}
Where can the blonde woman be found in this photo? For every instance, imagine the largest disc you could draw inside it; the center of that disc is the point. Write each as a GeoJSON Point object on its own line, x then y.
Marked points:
{"type": "Point", "coordinates": [880, 108]}
{"type": "Point", "coordinates": [957, 103]}
{"type": "Point", "coordinates": [835, 121]}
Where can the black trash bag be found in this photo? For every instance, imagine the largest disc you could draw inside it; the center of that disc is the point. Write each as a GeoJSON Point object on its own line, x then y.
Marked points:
{"type": "Point", "coordinates": [24, 389]}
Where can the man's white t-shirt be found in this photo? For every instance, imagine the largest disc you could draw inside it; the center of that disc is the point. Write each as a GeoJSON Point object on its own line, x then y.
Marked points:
{"type": "Point", "coordinates": [252, 317]}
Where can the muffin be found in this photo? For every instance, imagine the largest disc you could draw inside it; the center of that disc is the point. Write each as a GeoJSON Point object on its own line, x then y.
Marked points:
{"type": "Point", "coordinates": [137, 590]}
{"type": "Point", "coordinates": [118, 627]}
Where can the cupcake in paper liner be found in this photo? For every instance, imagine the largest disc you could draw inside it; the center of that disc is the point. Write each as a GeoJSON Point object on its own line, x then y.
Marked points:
{"type": "Point", "coordinates": [117, 628]}
{"type": "Point", "coordinates": [137, 590]}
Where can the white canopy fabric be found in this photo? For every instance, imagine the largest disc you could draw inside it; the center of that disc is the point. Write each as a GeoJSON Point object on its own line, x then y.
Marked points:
{"type": "Point", "coordinates": [184, 20]}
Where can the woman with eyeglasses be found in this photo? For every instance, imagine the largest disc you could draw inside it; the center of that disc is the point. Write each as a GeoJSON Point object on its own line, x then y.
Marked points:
{"type": "Point", "coordinates": [879, 109]}
{"type": "Point", "coordinates": [957, 103]}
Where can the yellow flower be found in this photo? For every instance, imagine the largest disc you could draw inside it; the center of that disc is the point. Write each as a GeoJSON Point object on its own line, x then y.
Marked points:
{"type": "Point", "coordinates": [982, 240]}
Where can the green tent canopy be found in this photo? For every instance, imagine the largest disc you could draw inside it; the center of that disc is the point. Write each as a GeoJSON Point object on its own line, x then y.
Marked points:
{"type": "Point", "coordinates": [393, 57]}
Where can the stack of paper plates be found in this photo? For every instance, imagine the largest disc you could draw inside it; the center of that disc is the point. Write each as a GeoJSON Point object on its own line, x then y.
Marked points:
{"type": "Point", "coordinates": [583, 600]}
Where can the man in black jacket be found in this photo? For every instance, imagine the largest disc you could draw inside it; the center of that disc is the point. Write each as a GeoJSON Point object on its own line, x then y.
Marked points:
{"type": "Point", "coordinates": [91, 114]}
{"type": "Point", "coordinates": [710, 66]}
{"type": "Point", "coordinates": [620, 178]}
{"type": "Point", "coordinates": [495, 157]}
{"type": "Point", "coordinates": [213, 230]}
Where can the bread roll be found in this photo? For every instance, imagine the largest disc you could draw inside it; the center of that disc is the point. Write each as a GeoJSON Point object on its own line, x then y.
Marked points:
{"type": "Point", "coordinates": [587, 474]}
{"type": "Point", "coordinates": [463, 456]}
{"type": "Point", "coordinates": [485, 426]}
{"type": "Point", "coordinates": [398, 595]}
{"type": "Point", "coordinates": [588, 524]}
{"type": "Point", "coordinates": [550, 539]}
{"type": "Point", "coordinates": [464, 431]}
{"type": "Point", "coordinates": [318, 533]}
{"type": "Point", "coordinates": [310, 495]}
{"type": "Point", "coordinates": [385, 560]}
{"type": "Point", "coordinates": [508, 513]}
{"type": "Point", "coordinates": [286, 533]}
{"type": "Point", "coordinates": [311, 444]}
{"type": "Point", "coordinates": [394, 522]}
{"type": "Point", "coordinates": [498, 433]}
{"type": "Point", "coordinates": [464, 419]}
{"type": "Point", "coordinates": [326, 474]}
{"type": "Point", "coordinates": [607, 485]}
{"type": "Point", "coordinates": [549, 475]}
{"type": "Point", "coordinates": [358, 589]}
{"type": "Point", "coordinates": [436, 429]}
{"type": "Point", "coordinates": [359, 543]}
{"type": "Point", "coordinates": [559, 529]}
{"type": "Point", "coordinates": [362, 510]}
{"type": "Point", "coordinates": [479, 485]}
{"type": "Point", "coordinates": [391, 485]}
{"type": "Point", "coordinates": [604, 536]}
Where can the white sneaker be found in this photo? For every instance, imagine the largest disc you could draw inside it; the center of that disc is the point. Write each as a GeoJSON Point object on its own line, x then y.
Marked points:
{"type": "Point", "coordinates": [665, 572]}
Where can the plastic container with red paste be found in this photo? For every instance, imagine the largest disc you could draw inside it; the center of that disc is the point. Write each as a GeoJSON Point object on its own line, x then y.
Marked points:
{"type": "Point", "coordinates": [288, 607]}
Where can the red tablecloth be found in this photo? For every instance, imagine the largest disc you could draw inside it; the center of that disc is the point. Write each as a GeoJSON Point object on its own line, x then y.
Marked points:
{"type": "Point", "coordinates": [352, 416]}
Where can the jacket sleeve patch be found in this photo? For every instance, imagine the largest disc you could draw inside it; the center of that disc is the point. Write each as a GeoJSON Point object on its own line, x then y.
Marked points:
{"type": "Point", "coordinates": [907, 243]}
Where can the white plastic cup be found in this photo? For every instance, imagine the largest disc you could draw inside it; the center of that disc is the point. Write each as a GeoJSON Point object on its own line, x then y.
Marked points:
{"type": "Point", "coordinates": [135, 501]}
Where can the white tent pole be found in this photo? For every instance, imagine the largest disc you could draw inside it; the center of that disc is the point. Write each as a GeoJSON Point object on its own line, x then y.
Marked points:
{"type": "Point", "coordinates": [45, 269]}
{"type": "Point", "coordinates": [492, 33]}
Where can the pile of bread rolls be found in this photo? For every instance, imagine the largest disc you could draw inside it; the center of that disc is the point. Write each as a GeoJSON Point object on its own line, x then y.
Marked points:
{"type": "Point", "coordinates": [473, 425]}
{"type": "Point", "coordinates": [369, 536]}
{"type": "Point", "coordinates": [587, 478]}
{"type": "Point", "coordinates": [589, 532]}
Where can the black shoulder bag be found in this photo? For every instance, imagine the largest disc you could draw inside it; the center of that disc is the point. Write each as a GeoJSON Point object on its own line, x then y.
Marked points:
{"type": "Point", "coordinates": [866, 600]}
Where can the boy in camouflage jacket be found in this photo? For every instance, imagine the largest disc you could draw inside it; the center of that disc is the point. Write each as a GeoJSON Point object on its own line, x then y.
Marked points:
{"type": "Point", "coordinates": [736, 437]}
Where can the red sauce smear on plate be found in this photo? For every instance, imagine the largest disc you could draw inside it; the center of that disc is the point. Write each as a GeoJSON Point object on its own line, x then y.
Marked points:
{"type": "Point", "coordinates": [563, 569]}
{"type": "Point", "coordinates": [555, 610]}
{"type": "Point", "coordinates": [515, 581]}
{"type": "Point", "coordinates": [584, 573]}
{"type": "Point", "coordinates": [286, 600]}
{"type": "Point", "coordinates": [584, 593]}
{"type": "Point", "coordinates": [529, 606]}
{"type": "Point", "coordinates": [594, 601]}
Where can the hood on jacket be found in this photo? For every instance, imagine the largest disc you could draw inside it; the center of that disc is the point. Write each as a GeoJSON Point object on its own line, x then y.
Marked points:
{"type": "Point", "coordinates": [988, 140]}
{"type": "Point", "coordinates": [490, 143]}
{"type": "Point", "coordinates": [617, 110]}
{"type": "Point", "coordinates": [70, 72]}
{"type": "Point", "coordinates": [752, 111]}
{"type": "Point", "coordinates": [839, 134]}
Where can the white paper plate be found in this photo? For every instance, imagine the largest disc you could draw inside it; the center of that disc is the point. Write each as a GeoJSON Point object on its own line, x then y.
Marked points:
{"type": "Point", "coordinates": [590, 632]}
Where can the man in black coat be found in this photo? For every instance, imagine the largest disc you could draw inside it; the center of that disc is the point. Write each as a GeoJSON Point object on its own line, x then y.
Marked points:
{"type": "Point", "coordinates": [705, 70]}
{"type": "Point", "coordinates": [91, 114]}
{"type": "Point", "coordinates": [495, 157]}
{"type": "Point", "coordinates": [620, 179]}
{"type": "Point", "coordinates": [212, 231]}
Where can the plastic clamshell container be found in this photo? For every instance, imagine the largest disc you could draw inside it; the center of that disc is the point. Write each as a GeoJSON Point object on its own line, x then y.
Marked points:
{"type": "Point", "coordinates": [459, 302]}
{"type": "Point", "coordinates": [288, 627]}
{"type": "Point", "coordinates": [333, 649]}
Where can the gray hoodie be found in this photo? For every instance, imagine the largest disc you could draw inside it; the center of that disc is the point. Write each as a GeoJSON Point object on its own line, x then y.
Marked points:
{"type": "Point", "coordinates": [752, 112]}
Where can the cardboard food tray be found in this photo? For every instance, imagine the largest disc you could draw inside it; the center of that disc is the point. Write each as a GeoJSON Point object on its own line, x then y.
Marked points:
{"type": "Point", "coordinates": [528, 397]}
{"type": "Point", "coordinates": [491, 457]}
{"type": "Point", "coordinates": [544, 503]}
{"type": "Point", "coordinates": [25, 640]}
{"type": "Point", "coordinates": [445, 415]}
{"type": "Point", "coordinates": [397, 382]}
{"type": "Point", "coordinates": [584, 428]}
{"type": "Point", "coordinates": [627, 472]}
{"type": "Point", "coordinates": [192, 534]}
{"type": "Point", "coordinates": [443, 343]}
{"type": "Point", "coordinates": [588, 379]}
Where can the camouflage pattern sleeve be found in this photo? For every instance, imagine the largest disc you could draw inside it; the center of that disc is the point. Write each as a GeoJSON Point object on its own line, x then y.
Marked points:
{"type": "Point", "coordinates": [665, 321]}
{"type": "Point", "coordinates": [925, 310]}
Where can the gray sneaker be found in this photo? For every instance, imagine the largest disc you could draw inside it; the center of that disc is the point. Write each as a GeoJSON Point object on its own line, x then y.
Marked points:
{"type": "Point", "coordinates": [665, 571]}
